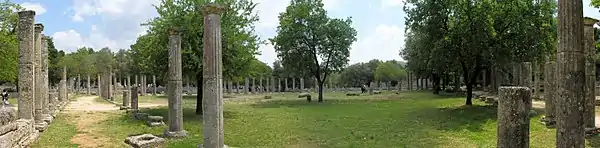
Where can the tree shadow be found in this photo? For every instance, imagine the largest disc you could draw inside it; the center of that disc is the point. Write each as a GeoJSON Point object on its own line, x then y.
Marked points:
{"type": "Point", "coordinates": [457, 118]}
{"type": "Point", "coordinates": [593, 141]}
{"type": "Point", "coordinates": [189, 114]}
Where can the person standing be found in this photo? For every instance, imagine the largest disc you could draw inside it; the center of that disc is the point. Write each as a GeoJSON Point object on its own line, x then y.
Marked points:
{"type": "Point", "coordinates": [4, 97]}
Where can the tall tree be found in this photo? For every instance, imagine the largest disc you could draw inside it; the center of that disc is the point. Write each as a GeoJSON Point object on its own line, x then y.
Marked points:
{"type": "Point", "coordinates": [309, 42]}
{"type": "Point", "coordinates": [8, 41]}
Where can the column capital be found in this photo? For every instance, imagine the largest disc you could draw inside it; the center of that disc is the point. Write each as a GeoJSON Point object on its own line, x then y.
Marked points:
{"type": "Point", "coordinates": [39, 27]}
{"type": "Point", "coordinates": [212, 8]}
{"type": "Point", "coordinates": [27, 13]}
{"type": "Point", "coordinates": [588, 21]}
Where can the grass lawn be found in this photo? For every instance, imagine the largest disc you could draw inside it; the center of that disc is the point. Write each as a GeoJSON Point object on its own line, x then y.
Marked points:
{"type": "Point", "coordinates": [412, 119]}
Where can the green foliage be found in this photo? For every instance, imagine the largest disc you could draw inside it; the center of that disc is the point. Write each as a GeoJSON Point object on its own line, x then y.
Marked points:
{"type": "Point", "coordinates": [308, 42]}
{"type": "Point", "coordinates": [465, 36]}
{"type": "Point", "coordinates": [389, 71]}
{"type": "Point", "coordinates": [54, 57]}
{"type": "Point", "coordinates": [9, 45]}
{"type": "Point", "coordinates": [595, 3]}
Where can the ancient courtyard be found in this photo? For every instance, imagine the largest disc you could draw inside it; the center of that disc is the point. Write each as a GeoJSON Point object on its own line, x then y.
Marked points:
{"type": "Point", "coordinates": [506, 74]}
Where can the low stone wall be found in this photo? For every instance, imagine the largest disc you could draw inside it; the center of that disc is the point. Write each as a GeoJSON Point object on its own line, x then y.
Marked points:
{"type": "Point", "coordinates": [15, 133]}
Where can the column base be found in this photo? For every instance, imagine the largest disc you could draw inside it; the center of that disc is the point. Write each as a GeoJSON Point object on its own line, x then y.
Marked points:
{"type": "Point", "coordinates": [47, 118]}
{"type": "Point", "coordinates": [176, 134]}
{"type": "Point", "coordinates": [41, 126]}
{"type": "Point", "coordinates": [124, 107]}
{"type": "Point", "coordinates": [224, 146]}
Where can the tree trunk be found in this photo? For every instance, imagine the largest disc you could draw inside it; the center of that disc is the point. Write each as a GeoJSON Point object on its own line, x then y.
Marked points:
{"type": "Point", "coordinates": [469, 93]}
{"type": "Point", "coordinates": [320, 91]}
{"type": "Point", "coordinates": [436, 84]}
{"type": "Point", "coordinates": [199, 86]}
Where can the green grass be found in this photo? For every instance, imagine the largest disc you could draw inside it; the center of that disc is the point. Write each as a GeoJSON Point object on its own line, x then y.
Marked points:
{"type": "Point", "coordinates": [58, 134]}
{"type": "Point", "coordinates": [412, 119]}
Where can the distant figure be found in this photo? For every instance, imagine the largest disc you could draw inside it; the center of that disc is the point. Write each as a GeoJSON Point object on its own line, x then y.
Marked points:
{"type": "Point", "coordinates": [363, 89]}
{"type": "Point", "coordinates": [4, 97]}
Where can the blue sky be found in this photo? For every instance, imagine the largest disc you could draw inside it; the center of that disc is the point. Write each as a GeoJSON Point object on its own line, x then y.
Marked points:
{"type": "Point", "coordinates": [115, 23]}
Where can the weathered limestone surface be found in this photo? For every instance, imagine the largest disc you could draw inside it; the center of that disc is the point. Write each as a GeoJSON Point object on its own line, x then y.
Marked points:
{"type": "Point", "coordinates": [301, 85]}
{"type": "Point", "coordinates": [525, 76]}
{"type": "Point", "coordinates": [134, 98]}
{"type": "Point", "coordinates": [212, 104]}
{"type": "Point", "coordinates": [550, 93]}
{"type": "Point", "coordinates": [154, 85]}
{"type": "Point", "coordinates": [39, 99]}
{"type": "Point", "coordinates": [246, 85]}
{"type": "Point", "coordinates": [144, 141]}
{"type": "Point", "coordinates": [53, 103]}
{"type": "Point", "coordinates": [18, 134]}
{"type": "Point", "coordinates": [174, 90]}
{"type": "Point", "coordinates": [513, 117]}
{"type": "Point", "coordinates": [126, 95]}
{"type": "Point", "coordinates": [570, 63]}
{"type": "Point", "coordinates": [590, 73]}
{"type": "Point", "coordinates": [88, 85]}
{"type": "Point", "coordinates": [44, 93]}
{"type": "Point", "coordinates": [26, 79]}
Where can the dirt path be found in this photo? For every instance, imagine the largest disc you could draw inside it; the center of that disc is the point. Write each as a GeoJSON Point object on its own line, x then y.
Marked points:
{"type": "Point", "coordinates": [85, 113]}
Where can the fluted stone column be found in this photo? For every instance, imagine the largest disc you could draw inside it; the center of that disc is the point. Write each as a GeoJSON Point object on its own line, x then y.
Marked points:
{"type": "Point", "coordinates": [99, 85]}
{"type": "Point", "coordinates": [570, 63]}
{"type": "Point", "coordinates": [590, 73]}
{"type": "Point", "coordinates": [550, 94]}
{"type": "Point", "coordinates": [154, 85]}
{"type": "Point", "coordinates": [53, 103]}
{"type": "Point", "coordinates": [40, 124]}
{"type": "Point", "coordinates": [128, 81]}
{"type": "Point", "coordinates": [246, 85]}
{"type": "Point", "coordinates": [45, 84]}
{"type": "Point", "coordinates": [525, 76]}
{"type": "Point", "coordinates": [26, 80]}
{"type": "Point", "coordinates": [213, 98]}
{"type": "Point", "coordinates": [513, 117]}
{"type": "Point", "coordinates": [174, 90]}
{"type": "Point", "coordinates": [89, 89]}
{"type": "Point", "coordinates": [278, 84]}
{"type": "Point", "coordinates": [125, 98]}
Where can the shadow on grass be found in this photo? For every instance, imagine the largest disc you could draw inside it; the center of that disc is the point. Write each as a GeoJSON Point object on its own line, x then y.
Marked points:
{"type": "Point", "coordinates": [189, 114]}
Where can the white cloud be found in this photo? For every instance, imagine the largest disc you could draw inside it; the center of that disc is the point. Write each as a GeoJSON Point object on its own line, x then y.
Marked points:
{"type": "Point", "coordinates": [382, 43]}
{"type": "Point", "coordinates": [37, 7]}
{"type": "Point", "coordinates": [71, 40]}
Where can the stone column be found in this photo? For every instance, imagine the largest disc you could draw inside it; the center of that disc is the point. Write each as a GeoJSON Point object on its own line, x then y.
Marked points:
{"type": "Point", "coordinates": [246, 85]}
{"type": "Point", "coordinates": [525, 76]}
{"type": "Point", "coordinates": [45, 84]}
{"type": "Point", "coordinates": [550, 94]}
{"type": "Point", "coordinates": [26, 80]}
{"type": "Point", "coordinates": [110, 86]}
{"type": "Point", "coordinates": [253, 86]}
{"type": "Point", "coordinates": [125, 99]}
{"type": "Point", "coordinates": [175, 87]}
{"type": "Point", "coordinates": [590, 73]}
{"type": "Point", "coordinates": [409, 81]}
{"type": "Point", "coordinates": [136, 81]}
{"type": "Point", "coordinates": [39, 100]}
{"type": "Point", "coordinates": [134, 99]}
{"type": "Point", "coordinates": [301, 85]}
{"type": "Point", "coordinates": [293, 84]}
{"type": "Point", "coordinates": [99, 85]}
{"type": "Point", "coordinates": [53, 103]}
{"type": "Point", "coordinates": [77, 84]}
{"type": "Point", "coordinates": [89, 91]}
{"type": "Point", "coordinates": [371, 87]}
{"type": "Point", "coordinates": [260, 85]}
{"type": "Point", "coordinates": [128, 81]}
{"type": "Point", "coordinates": [570, 63]}
{"type": "Point", "coordinates": [229, 87]}
{"type": "Point", "coordinates": [286, 85]}
{"type": "Point", "coordinates": [213, 98]}
{"type": "Point", "coordinates": [154, 85]}
{"type": "Point", "coordinates": [268, 84]}
{"type": "Point", "coordinates": [513, 117]}
{"type": "Point", "coordinates": [273, 88]}
{"type": "Point", "coordinates": [278, 84]}
{"type": "Point", "coordinates": [65, 94]}
{"type": "Point", "coordinates": [143, 85]}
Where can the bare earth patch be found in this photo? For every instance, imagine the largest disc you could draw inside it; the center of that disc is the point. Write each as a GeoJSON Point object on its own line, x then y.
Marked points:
{"type": "Point", "coordinates": [86, 113]}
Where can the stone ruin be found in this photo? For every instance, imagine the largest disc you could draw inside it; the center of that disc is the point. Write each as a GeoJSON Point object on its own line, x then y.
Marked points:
{"type": "Point", "coordinates": [144, 141]}
{"type": "Point", "coordinates": [15, 132]}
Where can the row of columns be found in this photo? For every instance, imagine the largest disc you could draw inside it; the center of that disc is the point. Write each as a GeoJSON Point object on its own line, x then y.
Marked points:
{"type": "Point", "coordinates": [36, 101]}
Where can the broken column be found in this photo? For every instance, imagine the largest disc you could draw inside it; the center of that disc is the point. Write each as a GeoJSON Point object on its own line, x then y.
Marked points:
{"type": "Point", "coordinates": [212, 69]}
{"type": "Point", "coordinates": [40, 124]}
{"type": "Point", "coordinates": [514, 104]}
{"type": "Point", "coordinates": [550, 94]}
{"type": "Point", "coordinates": [525, 75]}
{"type": "Point", "coordinates": [125, 99]}
{"type": "Point", "coordinates": [175, 87]}
{"type": "Point", "coordinates": [134, 99]}
{"type": "Point", "coordinates": [570, 63]}
{"type": "Point", "coordinates": [590, 73]}
{"type": "Point", "coordinates": [26, 80]}
{"type": "Point", "coordinates": [246, 85]}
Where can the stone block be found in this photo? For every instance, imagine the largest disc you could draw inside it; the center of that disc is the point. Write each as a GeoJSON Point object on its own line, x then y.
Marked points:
{"type": "Point", "coordinates": [145, 141]}
{"type": "Point", "coordinates": [7, 115]}
{"type": "Point", "coordinates": [140, 116]}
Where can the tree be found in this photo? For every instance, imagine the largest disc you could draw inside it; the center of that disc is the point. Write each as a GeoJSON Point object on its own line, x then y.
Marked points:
{"type": "Point", "coordinates": [54, 57]}
{"type": "Point", "coordinates": [9, 45]}
{"type": "Point", "coordinates": [389, 72]}
{"type": "Point", "coordinates": [310, 43]}
{"type": "Point", "coordinates": [239, 40]}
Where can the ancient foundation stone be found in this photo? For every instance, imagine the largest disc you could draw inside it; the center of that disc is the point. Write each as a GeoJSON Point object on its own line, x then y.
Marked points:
{"type": "Point", "coordinates": [144, 141]}
{"type": "Point", "coordinates": [7, 115]}
{"type": "Point", "coordinates": [514, 105]}
{"type": "Point", "coordinates": [154, 121]}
